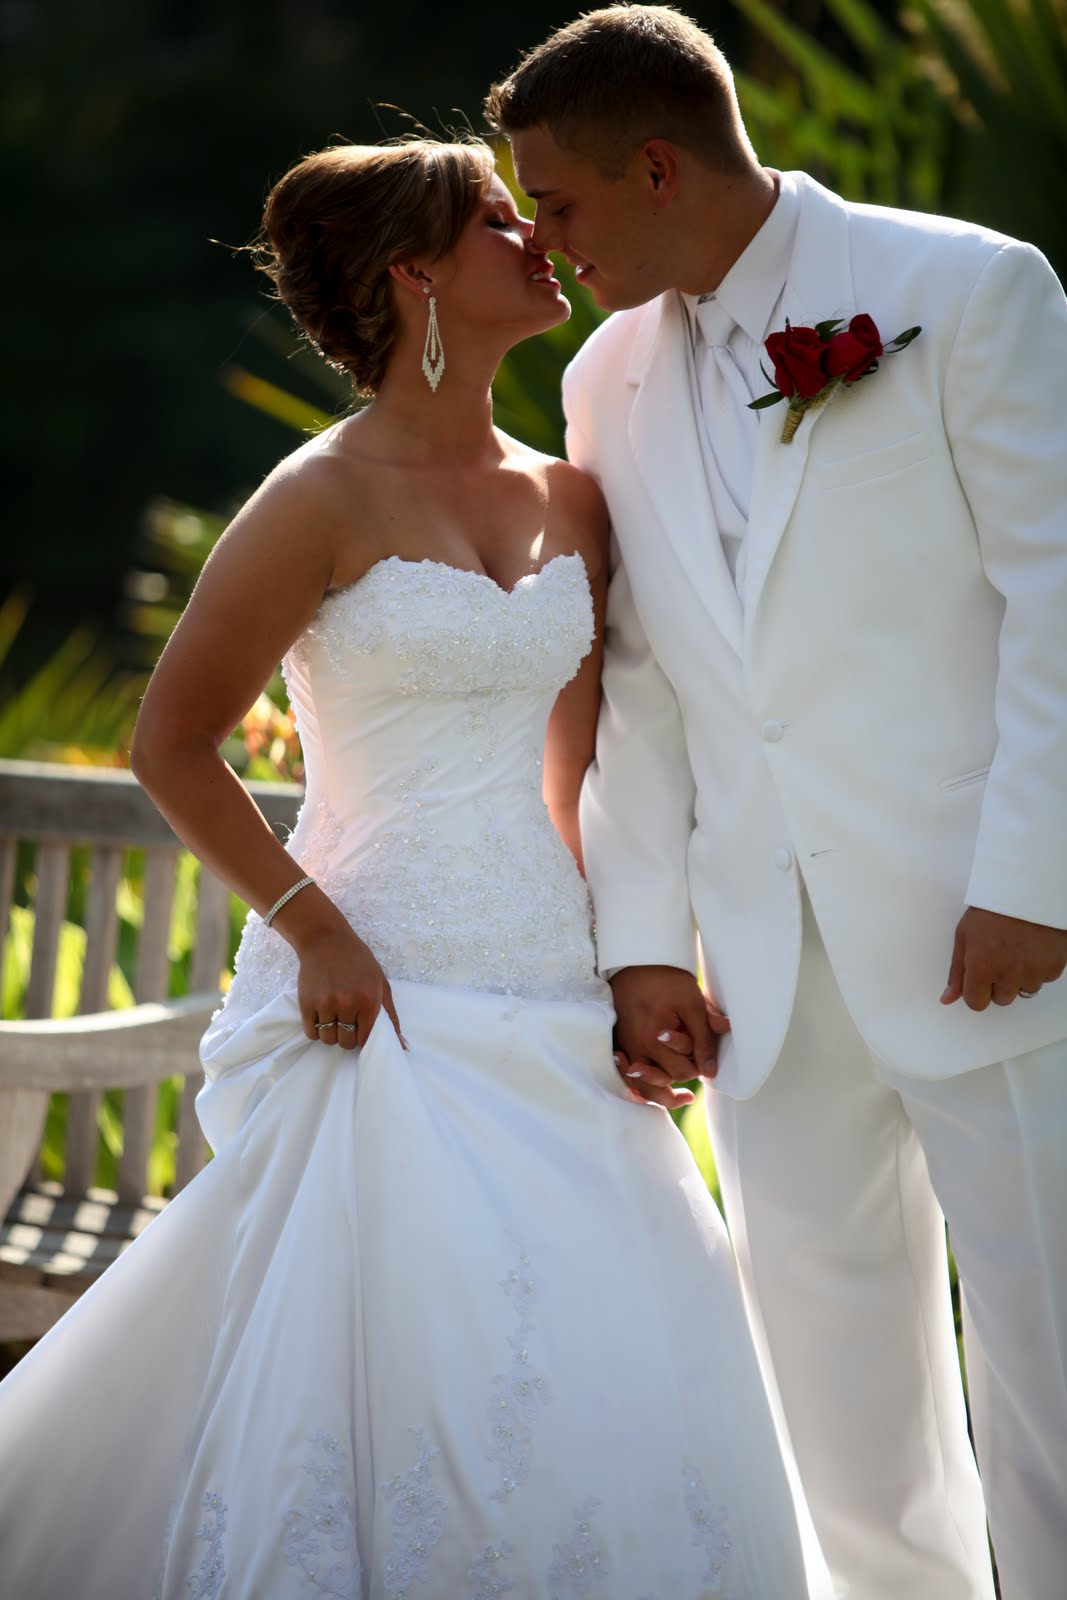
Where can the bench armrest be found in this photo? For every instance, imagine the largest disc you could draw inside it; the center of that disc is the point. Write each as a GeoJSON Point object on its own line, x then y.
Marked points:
{"type": "Point", "coordinates": [106, 1049]}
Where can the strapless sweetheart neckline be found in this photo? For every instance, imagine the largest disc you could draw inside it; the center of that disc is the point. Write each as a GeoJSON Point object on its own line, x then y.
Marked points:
{"type": "Point", "coordinates": [461, 572]}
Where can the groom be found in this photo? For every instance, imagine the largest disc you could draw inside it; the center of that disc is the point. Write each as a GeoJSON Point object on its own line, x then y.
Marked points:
{"type": "Point", "coordinates": [834, 736]}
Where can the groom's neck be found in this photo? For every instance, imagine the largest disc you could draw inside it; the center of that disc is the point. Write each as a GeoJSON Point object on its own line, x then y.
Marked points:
{"type": "Point", "coordinates": [718, 217]}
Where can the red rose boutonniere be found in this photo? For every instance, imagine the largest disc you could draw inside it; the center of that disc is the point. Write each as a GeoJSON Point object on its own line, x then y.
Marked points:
{"type": "Point", "coordinates": [811, 363]}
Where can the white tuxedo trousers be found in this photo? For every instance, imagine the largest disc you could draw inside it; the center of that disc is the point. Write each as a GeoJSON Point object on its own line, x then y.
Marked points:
{"type": "Point", "coordinates": [836, 1177]}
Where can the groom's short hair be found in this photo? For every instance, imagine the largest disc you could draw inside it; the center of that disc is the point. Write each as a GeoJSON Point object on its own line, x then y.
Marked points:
{"type": "Point", "coordinates": [613, 78]}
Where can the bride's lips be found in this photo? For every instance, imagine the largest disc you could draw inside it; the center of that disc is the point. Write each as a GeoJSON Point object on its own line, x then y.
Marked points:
{"type": "Point", "coordinates": [544, 274]}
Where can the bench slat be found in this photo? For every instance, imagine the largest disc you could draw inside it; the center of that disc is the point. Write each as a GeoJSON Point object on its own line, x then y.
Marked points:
{"type": "Point", "coordinates": [101, 935]}
{"type": "Point", "coordinates": [139, 1109]}
{"type": "Point", "coordinates": [8, 856]}
{"type": "Point", "coordinates": [53, 877]}
{"type": "Point", "coordinates": [57, 1253]}
{"type": "Point", "coordinates": [100, 1211]}
{"type": "Point", "coordinates": [24, 1111]}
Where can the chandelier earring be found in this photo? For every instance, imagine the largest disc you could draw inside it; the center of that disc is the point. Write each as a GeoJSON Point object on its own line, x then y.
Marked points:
{"type": "Point", "coordinates": [433, 355]}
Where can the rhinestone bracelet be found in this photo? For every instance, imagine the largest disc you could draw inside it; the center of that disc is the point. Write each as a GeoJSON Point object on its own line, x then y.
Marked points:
{"type": "Point", "coordinates": [285, 898]}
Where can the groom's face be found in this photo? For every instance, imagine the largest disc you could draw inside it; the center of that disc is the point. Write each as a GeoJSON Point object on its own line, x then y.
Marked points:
{"type": "Point", "coordinates": [608, 227]}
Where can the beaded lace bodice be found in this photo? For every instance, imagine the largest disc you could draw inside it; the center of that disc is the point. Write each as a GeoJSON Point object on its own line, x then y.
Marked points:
{"type": "Point", "coordinates": [422, 694]}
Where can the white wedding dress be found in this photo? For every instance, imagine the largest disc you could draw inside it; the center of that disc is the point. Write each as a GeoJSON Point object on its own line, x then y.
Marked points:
{"type": "Point", "coordinates": [456, 1322]}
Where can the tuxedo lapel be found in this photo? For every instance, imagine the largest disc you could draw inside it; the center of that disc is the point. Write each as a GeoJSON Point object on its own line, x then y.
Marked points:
{"type": "Point", "coordinates": [666, 448]}
{"type": "Point", "coordinates": [819, 287]}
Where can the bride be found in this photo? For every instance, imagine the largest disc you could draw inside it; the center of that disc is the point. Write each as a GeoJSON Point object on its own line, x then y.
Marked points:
{"type": "Point", "coordinates": [448, 1315]}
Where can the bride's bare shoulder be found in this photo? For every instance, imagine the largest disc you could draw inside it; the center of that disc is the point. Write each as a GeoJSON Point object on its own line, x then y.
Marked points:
{"type": "Point", "coordinates": [576, 516]}
{"type": "Point", "coordinates": [323, 471]}
{"type": "Point", "coordinates": [305, 518]}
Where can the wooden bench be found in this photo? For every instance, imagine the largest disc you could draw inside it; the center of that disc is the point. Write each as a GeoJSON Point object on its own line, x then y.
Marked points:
{"type": "Point", "coordinates": [56, 1237]}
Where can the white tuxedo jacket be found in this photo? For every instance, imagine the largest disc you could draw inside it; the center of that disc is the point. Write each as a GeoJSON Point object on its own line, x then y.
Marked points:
{"type": "Point", "coordinates": [882, 715]}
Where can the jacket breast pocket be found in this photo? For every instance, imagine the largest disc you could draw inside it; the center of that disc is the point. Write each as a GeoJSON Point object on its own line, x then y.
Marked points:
{"type": "Point", "coordinates": [869, 465]}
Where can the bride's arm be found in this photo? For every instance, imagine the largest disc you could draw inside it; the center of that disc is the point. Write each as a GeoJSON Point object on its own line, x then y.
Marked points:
{"type": "Point", "coordinates": [259, 589]}
{"type": "Point", "coordinates": [571, 740]}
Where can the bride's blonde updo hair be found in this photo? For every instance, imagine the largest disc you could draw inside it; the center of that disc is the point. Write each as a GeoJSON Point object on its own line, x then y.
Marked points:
{"type": "Point", "coordinates": [339, 219]}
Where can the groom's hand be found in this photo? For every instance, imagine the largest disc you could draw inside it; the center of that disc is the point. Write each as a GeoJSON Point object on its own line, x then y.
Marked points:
{"type": "Point", "coordinates": [1001, 959]}
{"type": "Point", "coordinates": [666, 1033]}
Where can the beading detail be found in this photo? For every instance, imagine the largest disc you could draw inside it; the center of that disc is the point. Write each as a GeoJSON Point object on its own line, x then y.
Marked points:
{"type": "Point", "coordinates": [521, 1393]}
{"type": "Point", "coordinates": [486, 1574]}
{"type": "Point", "coordinates": [580, 1566]}
{"type": "Point", "coordinates": [324, 1523]}
{"type": "Point", "coordinates": [206, 1582]}
{"type": "Point", "coordinates": [418, 1520]}
{"type": "Point", "coordinates": [710, 1526]}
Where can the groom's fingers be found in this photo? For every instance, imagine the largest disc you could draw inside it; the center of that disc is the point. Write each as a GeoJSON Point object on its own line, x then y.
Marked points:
{"type": "Point", "coordinates": [718, 1021]}
{"type": "Point", "coordinates": [954, 987]}
{"type": "Point", "coordinates": [694, 1017]}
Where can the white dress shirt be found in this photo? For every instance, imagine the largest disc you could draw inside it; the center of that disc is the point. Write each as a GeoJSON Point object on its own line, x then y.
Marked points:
{"type": "Point", "coordinates": [728, 329]}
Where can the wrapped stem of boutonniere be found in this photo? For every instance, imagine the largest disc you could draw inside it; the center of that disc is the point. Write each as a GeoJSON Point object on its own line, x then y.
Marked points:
{"type": "Point", "coordinates": [810, 364]}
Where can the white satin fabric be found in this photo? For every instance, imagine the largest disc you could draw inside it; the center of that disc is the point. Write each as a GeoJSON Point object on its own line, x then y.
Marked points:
{"type": "Point", "coordinates": [452, 1322]}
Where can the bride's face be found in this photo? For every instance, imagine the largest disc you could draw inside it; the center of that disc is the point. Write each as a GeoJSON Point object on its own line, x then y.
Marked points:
{"type": "Point", "coordinates": [494, 277]}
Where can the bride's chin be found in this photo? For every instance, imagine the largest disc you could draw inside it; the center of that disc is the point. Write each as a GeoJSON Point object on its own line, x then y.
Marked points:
{"type": "Point", "coordinates": [560, 312]}
{"type": "Point", "coordinates": [552, 317]}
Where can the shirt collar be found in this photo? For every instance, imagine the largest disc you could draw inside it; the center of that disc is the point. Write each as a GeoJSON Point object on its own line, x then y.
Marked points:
{"type": "Point", "coordinates": [753, 286]}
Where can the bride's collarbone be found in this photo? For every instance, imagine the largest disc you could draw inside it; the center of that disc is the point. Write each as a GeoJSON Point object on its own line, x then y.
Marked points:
{"type": "Point", "coordinates": [500, 525]}
{"type": "Point", "coordinates": [504, 560]}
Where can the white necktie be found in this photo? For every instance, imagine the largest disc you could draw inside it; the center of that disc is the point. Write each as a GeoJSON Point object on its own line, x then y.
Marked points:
{"type": "Point", "coordinates": [724, 394]}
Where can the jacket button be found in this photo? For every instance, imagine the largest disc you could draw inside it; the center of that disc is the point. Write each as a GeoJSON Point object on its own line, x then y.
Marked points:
{"type": "Point", "coordinates": [783, 858]}
{"type": "Point", "coordinates": [772, 730]}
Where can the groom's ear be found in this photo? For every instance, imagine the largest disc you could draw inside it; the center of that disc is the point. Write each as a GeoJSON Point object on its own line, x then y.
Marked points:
{"type": "Point", "coordinates": [661, 167]}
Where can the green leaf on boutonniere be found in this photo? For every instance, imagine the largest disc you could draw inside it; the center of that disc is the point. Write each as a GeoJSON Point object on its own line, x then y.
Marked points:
{"type": "Point", "coordinates": [826, 330]}
{"type": "Point", "coordinates": [765, 401]}
{"type": "Point", "coordinates": [902, 340]}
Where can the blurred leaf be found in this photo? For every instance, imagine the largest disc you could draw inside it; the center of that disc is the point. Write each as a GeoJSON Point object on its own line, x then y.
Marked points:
{"type": "Point", "coordinates": [876, 133]}
{"type": "Point", "coordinates": [1009, 61]}
{"type": "Point", "coordinates": [953, 106]}
{"type": "Point", "coordinates": [268, 397]}
{"type": "Point", "coordinates": [76, 702]}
